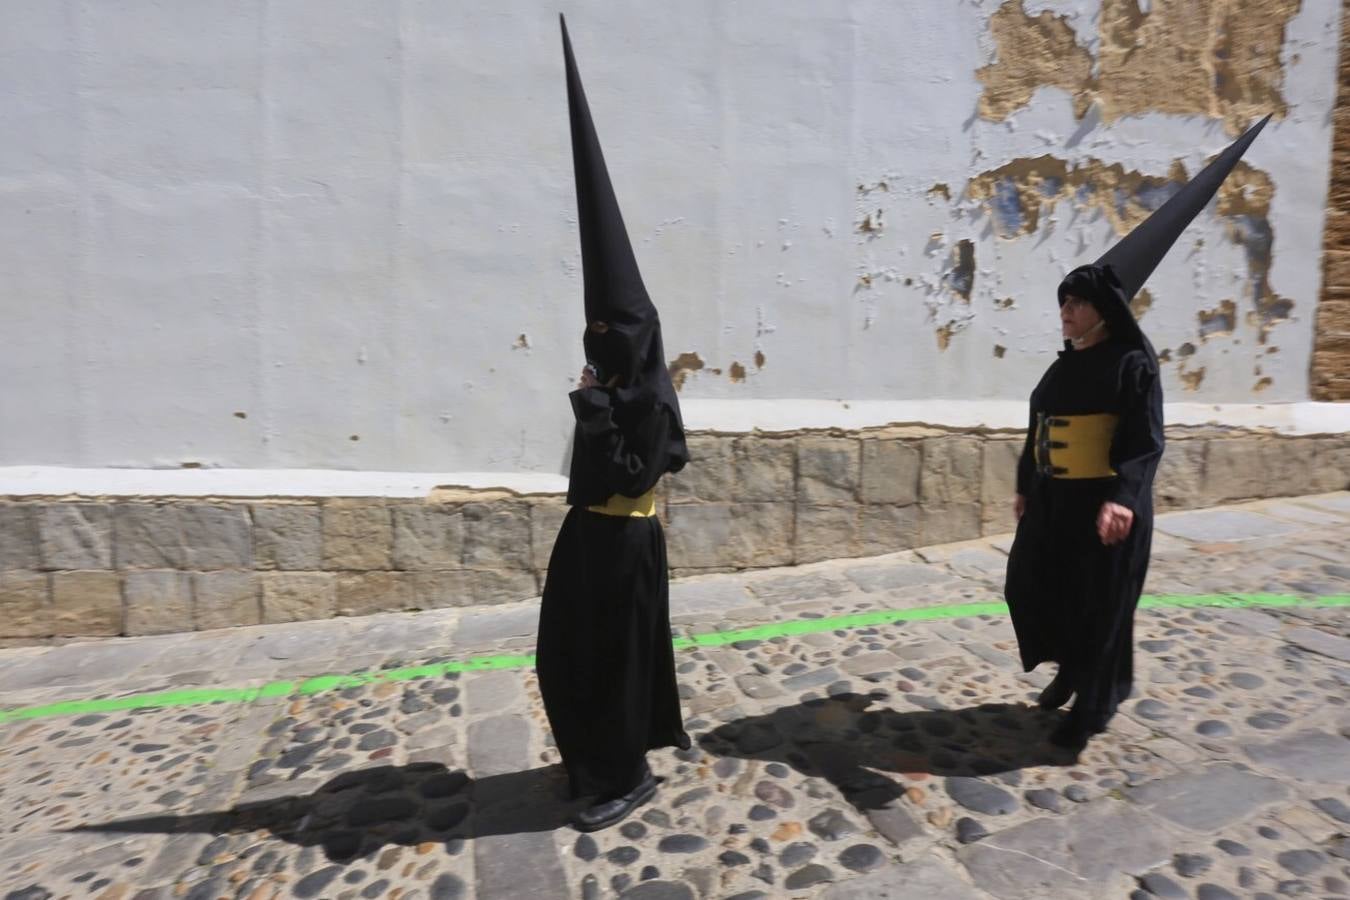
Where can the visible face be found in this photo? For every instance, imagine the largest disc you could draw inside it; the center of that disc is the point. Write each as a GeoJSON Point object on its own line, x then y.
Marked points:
{"type": "Point", "coordinates": [1077, 317]}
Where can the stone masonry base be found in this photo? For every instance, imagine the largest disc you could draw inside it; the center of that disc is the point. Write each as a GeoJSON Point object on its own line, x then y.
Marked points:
{"type": "Point", "coordinates": [84, 566]}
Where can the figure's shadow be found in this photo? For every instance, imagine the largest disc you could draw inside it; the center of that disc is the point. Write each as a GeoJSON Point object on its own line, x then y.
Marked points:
{"type": "Point", "coordinates": [840, 739]}
{"type": "Point", "coordinates": [357, 813]}
{"type": "Point", "coordinates": [850, 740]}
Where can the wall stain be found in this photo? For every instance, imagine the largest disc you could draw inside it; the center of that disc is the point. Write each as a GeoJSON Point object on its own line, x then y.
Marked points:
{"type": "Point", "coordinates": [999, 350]}
{"type": "Point", "coordinates": [1192, 378]}
{"type": "Point", "coordinates": [682, 365]}
{"type": "Point", "coordinates": [1017, 195]}
{"type": "Point", "coordinates": [944, 336]}
{"type": "Point", "coordinates": [1244, 200]}
{"type": "Point", "coordinates": [960, 277]}
{"type": "Point", "coordinates": [941, 190]}
{"type": "Point", "coordinates": [522, 343]}
{"type": "Point", "coordinates": [686, 363]}
{"type": "Point", "coordinates": [1217, 58]}
{"type": "Point", "coordinates": [1222, 320]}
{"type": "Point", "coordinates": [1165, 355]}
{"type": "Point", "coordinates": [241, 415]}
{"type": "Point", "coordinates": [866, 189]}
{"type": "Point", "coordinates": [1141, 303]}
{"type": "Point", "coordinates": [1262, 384]}
{"type": "Point", "coordinates": [871, 226]}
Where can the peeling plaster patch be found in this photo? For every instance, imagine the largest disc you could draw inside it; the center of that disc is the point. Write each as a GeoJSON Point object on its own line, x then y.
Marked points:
{"type": "Point", "coordinates": [759, 359]}
{"type": "Point", "coordinates": [1191, 378]}
{"type": "Point", "coordinates": [872, 226]}
{"type": "Point", "coordinates": [1186, 350]}
{"type": "Point", "coordinates": [682, 365]}
{"type": "Point", "coordinates": [960, 276]}
{"type": "Point", "coordinates": [999, 350]}
{"type": "Point", "coordinates": [522, 343]}
{"type": "Point", "coordinates": [1217, 58]}
{"type": "Point", "coordinates": [1165, 355]}
{"type": "Point", "coordinates": [1016, 195]}
{"type": "Point", "coordinates": [865, 189]}
{"type": "Point", "coordinates": [1244, 199]}
{"type": "Point", "coordinates": [1262, 384]}
{"type": "Point", "coordinates": [737, 372]}
{"type": "Point", "coordinates": [1006, 302]}
{"type": "Point", "coordinates": [1033, 51]}
{"type": "Point", "coordinates": [944, 336]}
{"type": "Point", "coordinates": [1141, 303]}
{"type": "Point", "coordinates": [1221, 320]}
{"type": "Point", "coordinates": [941, 190]}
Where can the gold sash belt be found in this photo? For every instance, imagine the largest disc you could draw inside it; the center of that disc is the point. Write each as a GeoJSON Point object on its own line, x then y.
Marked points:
{"type": "Point", "coordinates": [1075, 446]}
{"type": "Point", "coordinates": [619, 505]}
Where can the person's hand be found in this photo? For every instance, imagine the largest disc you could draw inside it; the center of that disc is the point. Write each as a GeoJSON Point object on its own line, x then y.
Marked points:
{"type": "Point", "coordinates": [1114, 523]}
{"type": "Point", "coordinates": [587, 379]}
{"type": "Point", "coordinates": [1019, 507]}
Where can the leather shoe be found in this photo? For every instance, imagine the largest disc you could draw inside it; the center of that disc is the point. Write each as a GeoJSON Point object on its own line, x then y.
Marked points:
{"type": "Point", "coordinates": [612, 812]}
{"type": "Point", "coordinates": [1056, 693]}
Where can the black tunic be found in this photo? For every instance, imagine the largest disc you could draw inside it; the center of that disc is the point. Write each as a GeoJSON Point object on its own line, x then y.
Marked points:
{"type": "Point", "coordinates": [604, 658]}
{"type": "Point", "coordinates": [1072, 598]}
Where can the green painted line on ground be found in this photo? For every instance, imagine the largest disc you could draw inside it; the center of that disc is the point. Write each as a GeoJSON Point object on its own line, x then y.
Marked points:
{"type": "Point", "coordinates": [336, 682]}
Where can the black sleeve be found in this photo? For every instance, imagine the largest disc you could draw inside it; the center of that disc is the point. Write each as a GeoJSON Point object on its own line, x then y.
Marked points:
{"type": "Point", "coordinates": [1137, 446]}
{"type": "Point", "coordinates": [1026, 463]}
{"type": "Point", "coordinates": [630, 460]}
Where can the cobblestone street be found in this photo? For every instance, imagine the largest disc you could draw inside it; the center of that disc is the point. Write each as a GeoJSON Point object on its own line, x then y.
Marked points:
{"type": "Point", "coordinates": [862, 730]}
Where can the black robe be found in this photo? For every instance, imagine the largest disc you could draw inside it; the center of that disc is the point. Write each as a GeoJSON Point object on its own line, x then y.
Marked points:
{"type": "Point", "coordinates": [1072, 598]}
{"type": "Point", "coordinates": [604, 658]}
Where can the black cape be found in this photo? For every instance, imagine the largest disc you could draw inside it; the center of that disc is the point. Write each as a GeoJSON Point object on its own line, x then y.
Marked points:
{"type": "Point", "coordinates": [604, 658]}
{"type": "Point", "coordinates": [1073, 598]}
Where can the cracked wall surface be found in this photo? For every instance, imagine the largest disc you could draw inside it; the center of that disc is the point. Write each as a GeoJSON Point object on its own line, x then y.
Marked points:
{"type": "Point", "coordinates": [249, 236]}
{"type": "Point", "coordinates": [1217, 58]}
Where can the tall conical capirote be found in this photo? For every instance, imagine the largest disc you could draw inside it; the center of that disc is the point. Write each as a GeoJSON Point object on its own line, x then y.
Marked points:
{"type": "Point", "coordinates": [1135, 256]}
{"type": "Point", "coordinates": [613, 284]}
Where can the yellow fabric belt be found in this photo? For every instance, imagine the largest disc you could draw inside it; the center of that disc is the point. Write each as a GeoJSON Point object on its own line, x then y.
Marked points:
{"type": "Point", "coordinates": [1075, 446]}
{"type": "Point", "coordinates": [619, 505]}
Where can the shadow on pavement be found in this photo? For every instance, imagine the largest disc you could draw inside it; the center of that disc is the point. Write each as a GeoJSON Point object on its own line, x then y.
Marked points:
{"type": "Point", "coordinates": [357, 813]}
{"type": "Point", "coordinates": [843, 741]}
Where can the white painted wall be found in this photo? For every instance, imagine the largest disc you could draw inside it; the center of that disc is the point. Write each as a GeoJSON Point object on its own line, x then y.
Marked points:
{"type": "Point", "coordinates": [337, 217]}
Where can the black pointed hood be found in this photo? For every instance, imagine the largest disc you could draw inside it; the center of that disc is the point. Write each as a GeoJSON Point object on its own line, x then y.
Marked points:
{"type": "Point", "coordinates": [1116, 277]}
{"type": "Point", "coordinates": [614, 291]}
{"type": "Point", "coordinates": [631, 348]}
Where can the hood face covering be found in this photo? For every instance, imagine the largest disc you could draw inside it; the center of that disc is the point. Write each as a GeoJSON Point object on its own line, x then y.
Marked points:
{"type": "Point", "coordinates": [631, 348]}
{"type": "Point", "coordinates": [1112, 281]}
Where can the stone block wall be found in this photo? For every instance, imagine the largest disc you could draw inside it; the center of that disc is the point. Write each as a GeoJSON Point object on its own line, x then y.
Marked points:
{"type": "Point", "coordinates": [93, 567]}
{"type": "Point", "coordinates": [1330, 376]}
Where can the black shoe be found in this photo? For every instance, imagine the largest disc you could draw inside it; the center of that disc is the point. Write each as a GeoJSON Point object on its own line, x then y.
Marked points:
{"type": "Point", "coordinates": [612, 812]}
{"type": "Point", "coordinates": [1070, 734]}
{"type": "Point", "coordinates": [1056, 693]}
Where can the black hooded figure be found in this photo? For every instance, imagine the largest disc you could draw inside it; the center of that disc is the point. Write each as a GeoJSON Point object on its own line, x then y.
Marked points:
{"type": "Point", "coordinates": [605, 663]}
{"type": "Point", "coordinates": [1085, 477]}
